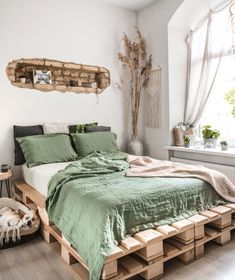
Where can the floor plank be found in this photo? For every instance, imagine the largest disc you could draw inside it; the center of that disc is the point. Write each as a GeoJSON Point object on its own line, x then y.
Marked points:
{"type": "Point", "coordinates": [38, 260]}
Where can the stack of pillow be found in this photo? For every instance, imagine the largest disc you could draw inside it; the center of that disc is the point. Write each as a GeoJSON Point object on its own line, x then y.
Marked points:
{"type": "Point", "coordinates": [52, 142]}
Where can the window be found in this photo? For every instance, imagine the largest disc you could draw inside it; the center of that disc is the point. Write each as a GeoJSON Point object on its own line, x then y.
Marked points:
{"type": "Point", "coordinates": [220, 111]}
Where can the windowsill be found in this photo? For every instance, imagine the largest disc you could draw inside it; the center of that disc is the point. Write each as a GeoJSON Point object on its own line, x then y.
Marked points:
{"type": "Point", "coordinates": [216, 152]}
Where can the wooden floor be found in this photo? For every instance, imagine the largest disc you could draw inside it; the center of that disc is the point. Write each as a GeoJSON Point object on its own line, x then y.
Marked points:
{"type": "Point", "coordinates": [38, 260]}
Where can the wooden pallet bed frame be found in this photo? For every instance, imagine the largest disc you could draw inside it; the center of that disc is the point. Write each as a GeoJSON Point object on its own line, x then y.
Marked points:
{"type": "Point", "coordinates": [145, 252]}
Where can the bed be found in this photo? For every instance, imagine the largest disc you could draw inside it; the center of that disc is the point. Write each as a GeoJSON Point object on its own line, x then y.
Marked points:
{"type": "Point", "coordinates": [39, 176]}
{"type": "Point", "coordinates": [100, 216]}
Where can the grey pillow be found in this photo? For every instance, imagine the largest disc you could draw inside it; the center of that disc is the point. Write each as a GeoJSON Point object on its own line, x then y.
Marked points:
{"type": "Point", "coordinates": [21, 131]}
{"type": "Point", "coordinates": [97, 128]}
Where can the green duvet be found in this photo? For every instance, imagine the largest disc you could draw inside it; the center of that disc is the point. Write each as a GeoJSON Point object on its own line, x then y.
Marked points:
{"type": "Point", "coordinates": [96, 206]}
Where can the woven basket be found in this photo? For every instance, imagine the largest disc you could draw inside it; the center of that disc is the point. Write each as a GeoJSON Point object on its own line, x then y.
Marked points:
{"type": "Point", "coordinates": [179, 132]}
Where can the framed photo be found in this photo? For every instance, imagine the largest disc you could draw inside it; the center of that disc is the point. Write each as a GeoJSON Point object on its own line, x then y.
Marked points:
{"type": "Point", "coordinates": [42, 77]}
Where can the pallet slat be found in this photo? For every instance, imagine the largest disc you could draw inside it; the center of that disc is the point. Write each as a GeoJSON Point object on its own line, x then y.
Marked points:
{"type": "Point", "coordinates": [210, 215]}
{"type": "Point", "coordinates": [221, 210]}
{"type": "Point", "coordinates": [130, 264]}
{"type": "Point", "coordinates": [169, 249]}
{"type": "Point", "coordinates": [198, 220]}
{"type": "Point", "coordinates": [183, 225]}
{"type": "Point", "coordinates": [167, 230]}
{"type": "Point", "coordinates": [149, 236]}
{"type": "Point", "coordinates": [130, 243]}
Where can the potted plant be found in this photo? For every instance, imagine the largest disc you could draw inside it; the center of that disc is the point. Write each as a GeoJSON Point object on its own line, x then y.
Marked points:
{"type": "Point", "coordinates": [187, 141]}
{"type": "Point", "coordinates": [22, 79]}
{"type": "Point", "coordinates": [210, 136]}
{"type": "Point", "coordinates": [224, 145]}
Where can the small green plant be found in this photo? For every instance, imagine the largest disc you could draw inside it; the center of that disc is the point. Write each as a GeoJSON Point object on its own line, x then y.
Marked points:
{"type": "Point", "coordinates": [230, 98]}
{"type": "Point", "coordinates": [225, 143]}
{"type": "Point", "coordinates": [208, 132]}
{"type": "Point", "coordinates": [186, 140]}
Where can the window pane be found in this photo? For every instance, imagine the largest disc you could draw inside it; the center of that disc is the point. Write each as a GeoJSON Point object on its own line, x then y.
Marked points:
{"type": "Point", "coordinates": [218, 112]}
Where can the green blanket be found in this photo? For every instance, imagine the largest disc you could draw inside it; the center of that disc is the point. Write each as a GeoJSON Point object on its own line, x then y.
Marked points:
{"type": "Point", "coordinates": [96, 206]}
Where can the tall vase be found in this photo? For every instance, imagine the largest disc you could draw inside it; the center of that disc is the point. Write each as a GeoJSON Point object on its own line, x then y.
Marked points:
{"type": "Point", "coordinates": [135, 147]}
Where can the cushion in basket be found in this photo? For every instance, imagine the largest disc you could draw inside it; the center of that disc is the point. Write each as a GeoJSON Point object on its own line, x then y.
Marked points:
{"type": "Point", "coordinates": [21, 131]}
{"type": "Point", "coordinates": [49, 148]}
{"type": "Point", "coordinates": [86, 143]}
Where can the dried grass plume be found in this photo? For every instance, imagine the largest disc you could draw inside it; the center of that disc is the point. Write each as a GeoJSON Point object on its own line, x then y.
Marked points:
{"type": "Point", "coordinates": [139, 65]}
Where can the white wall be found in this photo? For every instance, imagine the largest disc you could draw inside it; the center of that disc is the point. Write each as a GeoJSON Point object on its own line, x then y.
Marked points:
{"type": "Point", "coordinates": [153, 22]}
{"type": "Point", "coordinates": [81, 31]}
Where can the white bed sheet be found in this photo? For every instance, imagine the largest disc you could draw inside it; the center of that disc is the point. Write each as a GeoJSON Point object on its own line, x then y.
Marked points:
{"type": "Point", "coordinates": [39, 176]}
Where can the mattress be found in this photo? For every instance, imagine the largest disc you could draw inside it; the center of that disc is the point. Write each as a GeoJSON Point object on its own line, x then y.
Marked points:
{"type": "Point", "coordinates": [39, 176]}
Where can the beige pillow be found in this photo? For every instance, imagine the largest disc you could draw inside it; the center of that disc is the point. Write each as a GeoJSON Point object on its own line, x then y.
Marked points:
{"type": "Point", "coordinates": [49, 128]}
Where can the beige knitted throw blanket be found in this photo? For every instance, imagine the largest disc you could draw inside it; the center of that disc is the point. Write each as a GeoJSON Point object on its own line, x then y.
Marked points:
{"type": "Point", "coordinates": [142, 166]}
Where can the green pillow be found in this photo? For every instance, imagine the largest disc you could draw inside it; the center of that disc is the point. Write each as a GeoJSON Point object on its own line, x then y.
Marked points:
{"type": "Point", "coordinates": [48, 148]}
{"type": "Point", "coordinates": [81, 128]}
{"type": "Point", "coordinates": [86, 143]}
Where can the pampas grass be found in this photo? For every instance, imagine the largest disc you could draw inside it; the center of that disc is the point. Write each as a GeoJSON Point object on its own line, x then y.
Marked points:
{"type": "Point", "coordinates": [138, 65]}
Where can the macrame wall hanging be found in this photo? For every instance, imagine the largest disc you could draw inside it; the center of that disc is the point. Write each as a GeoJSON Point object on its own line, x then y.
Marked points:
{"type": "Point", "coordinates": [152, 99]}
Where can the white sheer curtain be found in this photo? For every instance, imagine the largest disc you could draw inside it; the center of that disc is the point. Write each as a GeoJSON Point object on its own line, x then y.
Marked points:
{"type": "Point", "coordinates": [207, 43]}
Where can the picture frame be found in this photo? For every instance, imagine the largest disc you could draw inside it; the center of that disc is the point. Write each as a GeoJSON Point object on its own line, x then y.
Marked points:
{"type": "Point", "coordinates": [42, 77]}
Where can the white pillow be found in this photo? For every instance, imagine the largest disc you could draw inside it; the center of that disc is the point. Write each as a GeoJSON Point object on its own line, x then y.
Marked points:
{"type": "Point", "coordinates": [49, 128]}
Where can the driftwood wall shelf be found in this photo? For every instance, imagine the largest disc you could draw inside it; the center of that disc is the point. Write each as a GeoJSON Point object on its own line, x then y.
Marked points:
{"type": "Point", "coordinates": [47, 75]}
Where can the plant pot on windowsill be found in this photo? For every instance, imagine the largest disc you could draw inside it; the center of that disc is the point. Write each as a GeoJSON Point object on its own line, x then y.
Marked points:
{"type": "Point", "coordinates": [224, 146]}
{"type": "Point", "coordinates": [210, 143]}
{"type": "Point", "coordinates": [210, 136]}
{"type": "Point", "coordinates": [187, 141]}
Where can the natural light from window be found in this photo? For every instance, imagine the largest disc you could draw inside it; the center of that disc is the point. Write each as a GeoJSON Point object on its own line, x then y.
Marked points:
{"type": "Point", "coordinates": [220, 111]}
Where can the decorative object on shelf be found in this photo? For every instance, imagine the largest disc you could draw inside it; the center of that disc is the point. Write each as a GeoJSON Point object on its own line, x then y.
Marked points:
{"type": "Point", "coordinates": [42, 77]}
{"type": "Point", "coordinates": [224, 145]}
{"type": "Point", "coordinates": [22, 79]}
{"type": "Point", "coordinates": [210, 136]}
{"type": "Point", "coordinates": [73, 83]}
{"type": "Point", "coordinates": [94, 85]}
{"type": "Point", "coordinates": [152, 99]}
{"type": "Point", "coordinates": [56, 75]}
{"type": "Point", "coordinates": [180, 131]}
{"type": "Point", "coordinates": [187, 141]}
{"type": "Point", "coordinates": [137, 66]}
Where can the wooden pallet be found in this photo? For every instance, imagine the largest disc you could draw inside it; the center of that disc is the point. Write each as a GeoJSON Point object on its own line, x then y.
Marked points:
{"type": "Point", "coordinates": [213, 225]}
{"type": "Point", "coordinates": [145, 252]}
{"type": "Point", "coordinates": [142, 254]}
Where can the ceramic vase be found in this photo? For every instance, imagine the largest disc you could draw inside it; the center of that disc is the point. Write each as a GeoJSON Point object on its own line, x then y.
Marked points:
{"type": "Point", "coordinates": [22, 80]}
{"type": "Point", "coordinates": [135, 147]}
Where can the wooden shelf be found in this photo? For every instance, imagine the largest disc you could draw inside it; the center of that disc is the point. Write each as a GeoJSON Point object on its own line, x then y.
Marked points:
{"type": "Point", "coordinates": [86, 78]}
